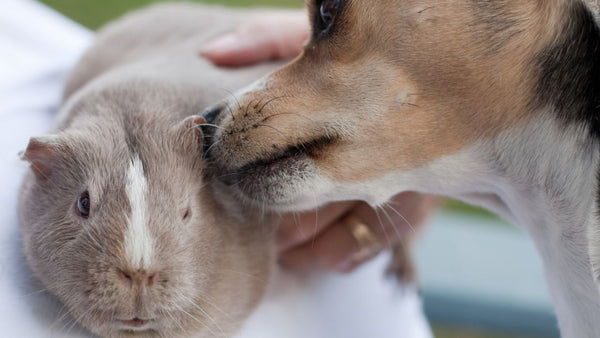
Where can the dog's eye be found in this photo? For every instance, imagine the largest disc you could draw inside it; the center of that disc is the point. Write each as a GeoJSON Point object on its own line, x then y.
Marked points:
{"type": "Point", "coordinates": [84, 204]}
{"type": "Point", "coordinates": [328, 11]}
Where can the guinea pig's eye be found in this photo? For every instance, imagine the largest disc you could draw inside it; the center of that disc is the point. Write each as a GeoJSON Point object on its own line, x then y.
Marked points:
{"type": "Point", "coordinates": [83, 205]}
{"type": "Point", "coordinates": [328, 10]}
{"type": "Point", "coordinates": [187, 214]}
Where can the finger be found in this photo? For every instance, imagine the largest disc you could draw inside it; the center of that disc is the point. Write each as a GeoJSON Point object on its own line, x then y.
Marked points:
{"type": "Point", "coordinates": [397, 219]}
{"type": "Point", "coordinates": [295, 229]}
{"type": "Point", "coordinates": [279, 36]}
{"type": "Point", "coordinates": [233, 50]}
{"type": "Point", "coordinates": [332, 250]}
{"type": "Point", "coordinates": [335, 249]}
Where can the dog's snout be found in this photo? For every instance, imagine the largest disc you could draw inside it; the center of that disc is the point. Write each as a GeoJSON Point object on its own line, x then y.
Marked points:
{"type": "Point", "coordinates": [212, 113]}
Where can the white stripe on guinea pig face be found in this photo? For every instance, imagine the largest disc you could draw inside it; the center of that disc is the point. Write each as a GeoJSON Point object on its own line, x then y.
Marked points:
{"type": "Point", "coordinates": [139, 243]}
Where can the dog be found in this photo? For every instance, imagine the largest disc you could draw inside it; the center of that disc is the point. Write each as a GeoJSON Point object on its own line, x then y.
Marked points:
{"type": "Point", "coordinates": [496, 103]}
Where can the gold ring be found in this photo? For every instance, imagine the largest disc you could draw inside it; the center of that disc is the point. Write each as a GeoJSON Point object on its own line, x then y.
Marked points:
{"type": "Point", "coordinates": [368, 244]}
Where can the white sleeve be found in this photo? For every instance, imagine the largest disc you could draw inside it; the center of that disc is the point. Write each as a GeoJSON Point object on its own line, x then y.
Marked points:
{"type": "Point", "coordinates": [360, 305]}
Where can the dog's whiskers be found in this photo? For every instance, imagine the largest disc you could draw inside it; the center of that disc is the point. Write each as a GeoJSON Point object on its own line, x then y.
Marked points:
{"type": "Point", "coordinates": [227, 103]}
{"type": "Point", "coordinates": [389, 205]}
{"type": "Point", "coordinates": [270, 101]}
{"type": "Point", "coordinates": [382, 226]}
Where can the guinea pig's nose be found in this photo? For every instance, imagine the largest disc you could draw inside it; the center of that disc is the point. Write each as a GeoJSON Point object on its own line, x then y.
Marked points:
{"type": "Point", "coordinates": [139, 277]}
{"type": "Point", "coordinates": [212, 113]}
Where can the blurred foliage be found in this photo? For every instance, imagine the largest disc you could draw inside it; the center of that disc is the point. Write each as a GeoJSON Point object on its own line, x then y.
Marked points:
{"type": "Point", "coordinates": [95, 13]}
{"type": "Point", "coordinates": [459, 206]}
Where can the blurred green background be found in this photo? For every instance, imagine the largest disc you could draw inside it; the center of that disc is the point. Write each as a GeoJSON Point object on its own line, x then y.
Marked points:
{"type": "Point", "coordinates": [95, 13]}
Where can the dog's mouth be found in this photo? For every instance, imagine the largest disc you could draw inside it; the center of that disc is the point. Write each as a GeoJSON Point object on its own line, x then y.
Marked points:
{"type": "Point", "coordinates": [268, 178]}
{"type": "Point", "coordinates": [286, 162]}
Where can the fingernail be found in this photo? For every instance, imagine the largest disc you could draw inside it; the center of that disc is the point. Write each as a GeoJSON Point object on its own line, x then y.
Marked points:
{"type": "Point", "coordinates": [221, 44]}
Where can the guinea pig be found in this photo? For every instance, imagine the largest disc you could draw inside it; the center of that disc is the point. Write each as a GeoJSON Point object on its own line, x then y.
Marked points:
{"type": "Point", "coordinates": [118, 218]}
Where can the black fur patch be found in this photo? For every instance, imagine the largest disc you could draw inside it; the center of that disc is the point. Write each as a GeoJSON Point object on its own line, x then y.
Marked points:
{"type": "Point", "coordinates": [570, 71]}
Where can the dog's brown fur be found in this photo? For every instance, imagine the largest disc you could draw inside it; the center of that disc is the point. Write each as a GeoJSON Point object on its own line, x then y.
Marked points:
{"type": "Point", "coordinates": [493, 102]}
{"type": "Point", "coordinates": [431, 80]}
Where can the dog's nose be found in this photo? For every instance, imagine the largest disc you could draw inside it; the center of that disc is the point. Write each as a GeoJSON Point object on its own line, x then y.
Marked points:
{"type": "Point", "coordinates": [212, 113]}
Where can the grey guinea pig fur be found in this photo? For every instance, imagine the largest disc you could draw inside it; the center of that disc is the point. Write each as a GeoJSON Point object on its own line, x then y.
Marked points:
{"type": "Point", "coordinates": [118, 220]}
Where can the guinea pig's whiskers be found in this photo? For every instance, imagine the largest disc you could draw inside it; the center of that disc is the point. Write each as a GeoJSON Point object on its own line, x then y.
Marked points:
{"type": "Point", "coordinates": [79, 319]}
{"type": "Point", "coordinates": [199, 308]}
{"type": "Point", "coordinates": [180, 309]}
{"type": "Point", "coordinates": [39, 291]}
{"type": "Point", "coordinates": [62, 314]}
{"type": "Point", "coordinates": [94, 239]}
{"type": "Point", "coordinates": [61, 331]}
{"type": "Point", "coordinates": [34, 293]}
{"type": "Point", "coordinates": [76, 319]}
{"type": "Point", "coordinates": [173, 318]}
{"type": "Point", "coordinates": [206, 299]}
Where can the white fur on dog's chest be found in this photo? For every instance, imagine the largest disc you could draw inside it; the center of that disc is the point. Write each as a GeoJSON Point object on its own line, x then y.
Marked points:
{"type": "Point", "coordinates": [542, 176]}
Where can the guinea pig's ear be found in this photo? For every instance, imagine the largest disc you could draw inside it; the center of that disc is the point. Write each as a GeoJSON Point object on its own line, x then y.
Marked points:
{"type": "Point", "coordinates": [188, 133]}
{"type": "Point", "coordinates": [43, 154]}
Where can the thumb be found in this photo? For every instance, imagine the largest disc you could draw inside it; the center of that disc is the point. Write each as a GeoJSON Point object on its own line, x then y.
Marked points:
{"type": "Point", "coordinates": [234, 49]}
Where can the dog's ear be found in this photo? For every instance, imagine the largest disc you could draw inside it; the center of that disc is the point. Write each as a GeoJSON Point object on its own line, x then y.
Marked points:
{"type": "Point", "coordinates": [43, 153]}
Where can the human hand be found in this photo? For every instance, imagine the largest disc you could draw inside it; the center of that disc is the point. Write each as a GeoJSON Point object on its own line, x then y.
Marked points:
{"type": "Point", "coordinates": [330, 239]}
{"type": "Point", "coordinates": [274, 36]}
